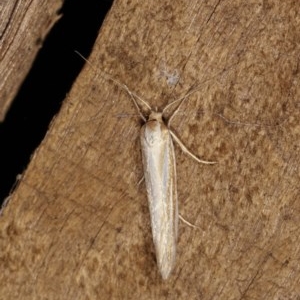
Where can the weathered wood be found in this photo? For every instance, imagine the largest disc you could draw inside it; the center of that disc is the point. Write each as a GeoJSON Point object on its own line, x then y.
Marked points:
{"type": "Point", "coordinates": [23, 27]}
{"type": "Point", "coordinates": [77, 226]}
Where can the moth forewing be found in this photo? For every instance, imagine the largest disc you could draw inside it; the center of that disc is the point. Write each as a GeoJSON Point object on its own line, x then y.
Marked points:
{"type": "Point", "coordinates": [160, 177]}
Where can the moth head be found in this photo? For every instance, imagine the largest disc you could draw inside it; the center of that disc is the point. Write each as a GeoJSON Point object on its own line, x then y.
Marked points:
{"type": "Point", "coordinates": [155, 116]}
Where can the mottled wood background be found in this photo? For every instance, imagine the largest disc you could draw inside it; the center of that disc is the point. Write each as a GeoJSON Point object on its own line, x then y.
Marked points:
{"type": "Point", "coordinates": [77, 226]}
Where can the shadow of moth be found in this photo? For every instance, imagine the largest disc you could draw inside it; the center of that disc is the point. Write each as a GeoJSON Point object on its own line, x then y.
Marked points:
{"type": "Point", "coordinates": [160, 177]}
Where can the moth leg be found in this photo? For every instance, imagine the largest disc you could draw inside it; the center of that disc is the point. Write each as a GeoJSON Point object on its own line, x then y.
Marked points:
{"type": "Point", "coordinates": [187, 222]}
{"type": "Point", "coordinates": [186, 150]}
{"type": "Point", "coordinates": [141, 180]}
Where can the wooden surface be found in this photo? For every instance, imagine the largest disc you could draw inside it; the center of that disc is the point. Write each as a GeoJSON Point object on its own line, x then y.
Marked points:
{"type": "Point", "coordinates": [23, 27]}
{"type": "Point", "coordinates": [77, 226]}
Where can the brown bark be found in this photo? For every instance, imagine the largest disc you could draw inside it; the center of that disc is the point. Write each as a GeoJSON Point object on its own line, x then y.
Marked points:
{"type": "Point", "coordinates": [23, 27]}
{"type": "Point", "coordinates": [77, 226]}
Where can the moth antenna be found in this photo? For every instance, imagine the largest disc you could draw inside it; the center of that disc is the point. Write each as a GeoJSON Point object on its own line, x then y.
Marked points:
{"type": "Point", "coordinates": [121, 85]}
{"type": "Point", "coordinates": [192, 91]}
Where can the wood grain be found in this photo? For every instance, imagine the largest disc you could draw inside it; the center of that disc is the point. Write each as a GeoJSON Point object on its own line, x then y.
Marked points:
{"type": "Point", "coordinates": [78, 226]}
{"type": "Point", "coordinates": [23, 27]}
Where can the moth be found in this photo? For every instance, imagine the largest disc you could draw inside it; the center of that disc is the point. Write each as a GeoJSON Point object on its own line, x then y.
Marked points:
{"type": "Point", "coordinates": [159, 165]}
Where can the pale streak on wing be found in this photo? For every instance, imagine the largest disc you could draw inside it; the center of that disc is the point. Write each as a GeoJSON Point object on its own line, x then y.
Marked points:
{"type": "Point", "coordinates": [160, 177]}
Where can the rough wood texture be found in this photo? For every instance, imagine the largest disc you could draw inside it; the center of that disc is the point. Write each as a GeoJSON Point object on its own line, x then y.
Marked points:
{"type": "Point", "coordinates": [23, 26]}
{"type": "Point", "coordinates": [77, 226]}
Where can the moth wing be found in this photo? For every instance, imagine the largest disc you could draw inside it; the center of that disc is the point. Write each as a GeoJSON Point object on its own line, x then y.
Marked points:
{"type": "Point", "coordinates": [160, 177]}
